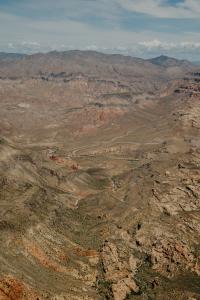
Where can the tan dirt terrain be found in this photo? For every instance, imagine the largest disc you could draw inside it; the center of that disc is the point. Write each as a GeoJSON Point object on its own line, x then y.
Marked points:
{"type": "Point", "coordinates": [99, 178]}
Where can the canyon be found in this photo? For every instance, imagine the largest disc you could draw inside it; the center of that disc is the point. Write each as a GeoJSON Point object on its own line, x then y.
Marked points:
{"type": "Point", "coordinates": [99, 177]}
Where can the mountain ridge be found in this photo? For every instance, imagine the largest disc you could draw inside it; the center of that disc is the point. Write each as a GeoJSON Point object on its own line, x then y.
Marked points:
{"type": "Point", "coordinates": [90, 52]}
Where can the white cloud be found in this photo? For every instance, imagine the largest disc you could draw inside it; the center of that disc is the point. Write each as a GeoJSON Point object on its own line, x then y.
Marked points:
{"type": "Point", "coordinates": [160, 8]}
{"type": "Point", "coordinates": [157, 44]}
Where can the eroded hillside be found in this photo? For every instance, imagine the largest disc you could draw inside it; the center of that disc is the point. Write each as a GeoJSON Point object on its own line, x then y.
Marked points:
{"type": "Point", "coordinates": [99, 185]}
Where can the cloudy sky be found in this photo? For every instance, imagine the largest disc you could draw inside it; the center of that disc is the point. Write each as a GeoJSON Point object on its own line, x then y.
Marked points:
{"type": "Point", "coordinates": [144, 28]}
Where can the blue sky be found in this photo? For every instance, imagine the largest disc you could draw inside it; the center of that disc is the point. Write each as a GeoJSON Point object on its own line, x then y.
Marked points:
{"type": "Point", "coordinates": [142, 28]}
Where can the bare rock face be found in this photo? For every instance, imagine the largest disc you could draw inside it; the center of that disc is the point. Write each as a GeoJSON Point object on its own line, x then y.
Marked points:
{"type": "Point", "coordinates": [10, 288]}
{"type": "Point", "coordinates": [168, 257]}
{"type": "Point", "coordinates": [119, 274]}
{"type": "Point", "coordinates": [123, 288]}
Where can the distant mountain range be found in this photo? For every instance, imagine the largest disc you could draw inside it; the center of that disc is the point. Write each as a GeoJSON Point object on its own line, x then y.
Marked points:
{"type": "Point", "coordinates": [10, 56]}
{"type": "Point", "coordinates": [90, 63]}
{"type": "Point", "coordinates": [167, 61]}
{"type": "Point", "coordinates": [196, 63]}
{"type": "Point", "coordinates": [160, 60]}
